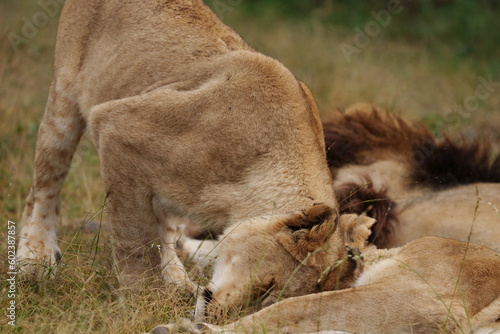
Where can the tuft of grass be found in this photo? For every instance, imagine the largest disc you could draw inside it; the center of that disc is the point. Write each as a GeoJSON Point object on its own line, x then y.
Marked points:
{"type": "Point", "coordinates": [83, 295]}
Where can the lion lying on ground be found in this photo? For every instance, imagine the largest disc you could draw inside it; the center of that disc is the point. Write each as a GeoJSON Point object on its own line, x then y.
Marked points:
{"type": "Point", "coordinates": [397, 172]}
{"type": "Point", "coordinates": [431, 285]}
{"type": "Point", "coordinates": [188, 120]}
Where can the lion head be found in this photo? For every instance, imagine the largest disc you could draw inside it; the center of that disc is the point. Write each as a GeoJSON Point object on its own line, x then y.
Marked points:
{"type": "Point", "coordinates": [264, 260]}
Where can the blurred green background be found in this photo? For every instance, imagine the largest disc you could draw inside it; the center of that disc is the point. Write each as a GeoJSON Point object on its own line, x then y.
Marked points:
{"type": "Point", "coordinates": [457, 28]}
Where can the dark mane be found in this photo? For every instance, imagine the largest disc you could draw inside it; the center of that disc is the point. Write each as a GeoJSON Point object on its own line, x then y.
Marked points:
{"type": "Point", "coordinates": [365, 134]}
{"type": "Point", "coordinates": [453, 163]}
{"type": "Point", "coordinates": [376, 204]}
{"type": "Point", "coordinates": [367, 129]}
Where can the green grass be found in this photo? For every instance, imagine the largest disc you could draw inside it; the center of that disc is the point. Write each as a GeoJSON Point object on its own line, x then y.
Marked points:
{"type": "Point", "coordinates": [397, 71]}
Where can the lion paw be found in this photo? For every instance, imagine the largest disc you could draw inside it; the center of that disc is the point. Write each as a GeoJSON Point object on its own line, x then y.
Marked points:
{"type": "Point", "coordinates": [37, 254]}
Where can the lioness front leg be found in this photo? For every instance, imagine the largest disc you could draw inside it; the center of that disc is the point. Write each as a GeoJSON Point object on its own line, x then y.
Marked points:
{"type": "Point", "coordinates": [58, 137]}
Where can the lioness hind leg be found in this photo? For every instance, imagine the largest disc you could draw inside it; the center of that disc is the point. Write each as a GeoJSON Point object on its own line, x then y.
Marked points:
{"type": "Point", "coordinates": [58, 137]}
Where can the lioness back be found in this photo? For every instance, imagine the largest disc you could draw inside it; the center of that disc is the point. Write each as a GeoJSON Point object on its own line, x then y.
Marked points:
{"type": "Point", "coordinates": [108, 50]}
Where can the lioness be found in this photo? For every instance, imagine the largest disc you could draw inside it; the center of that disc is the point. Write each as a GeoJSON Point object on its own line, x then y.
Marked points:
{"type": "Point", "coordinates": [188, 120]}
{"type": "Point", "coordinates": [430, 285]}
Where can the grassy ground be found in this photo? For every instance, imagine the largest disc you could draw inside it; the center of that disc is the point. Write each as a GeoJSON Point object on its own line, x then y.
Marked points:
{"type": "Point", "coordinates": [405, 76]}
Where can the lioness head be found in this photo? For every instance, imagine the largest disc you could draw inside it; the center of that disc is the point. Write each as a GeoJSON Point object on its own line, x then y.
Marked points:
{"type": "Point", "coordinates": [262, 260]}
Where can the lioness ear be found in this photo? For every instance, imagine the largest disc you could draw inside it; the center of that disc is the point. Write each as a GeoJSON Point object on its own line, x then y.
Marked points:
{"type": "Point", "coordinates": [306, 231]}
{"type": "Point", "coordinates": [356, 229]}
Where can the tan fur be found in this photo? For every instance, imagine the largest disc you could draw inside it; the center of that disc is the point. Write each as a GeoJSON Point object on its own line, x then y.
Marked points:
{"type": "Point", "coordinates": [431, 285]}
{"type": "Point", "coordinates": [416, 291]}
{"type": "Point", "coordinates": [188, 121]}
{"type": "Point", "coordinates": [259, 263]}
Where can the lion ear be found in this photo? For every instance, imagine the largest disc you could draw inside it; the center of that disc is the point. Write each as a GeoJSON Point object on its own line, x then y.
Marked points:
{"type": "Point", "coordinates": [306, 231]}
{"type": "Point", "coordinates": [356, 229]}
